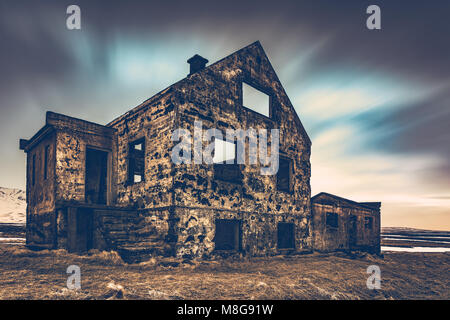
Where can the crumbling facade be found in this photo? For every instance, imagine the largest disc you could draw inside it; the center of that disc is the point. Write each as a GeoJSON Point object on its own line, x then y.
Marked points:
{"type": "Point", "coordinates": [342, 224]}
{"type": "Point", "coordinates": [115, 186]}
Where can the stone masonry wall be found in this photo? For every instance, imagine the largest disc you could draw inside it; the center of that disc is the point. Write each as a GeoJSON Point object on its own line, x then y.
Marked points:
{"type": "Point", "coordinates": [41, 196]}
{"type": "Point", "coordinates": [154, 121]}
{"type": "Point", "coordinates": [71, 163]}
{"type": "Point", "coordinates": [196, 231]}
{"type": "Point", "coordinates": [214, 96]}
{"type": "Point", "coordinates": [330, 239]}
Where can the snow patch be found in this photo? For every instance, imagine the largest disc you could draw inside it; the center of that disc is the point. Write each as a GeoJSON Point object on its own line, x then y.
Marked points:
{"type": "Point", "coordinates": [13, 205]}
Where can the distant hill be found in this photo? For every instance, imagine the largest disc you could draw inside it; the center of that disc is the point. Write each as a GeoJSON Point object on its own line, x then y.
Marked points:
{"type": "Point", "coordinates": [12, 205]}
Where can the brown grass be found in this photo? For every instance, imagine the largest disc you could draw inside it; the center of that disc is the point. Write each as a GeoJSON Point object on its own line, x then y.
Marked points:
{"type": "Point", "coordinates": [42, 275]}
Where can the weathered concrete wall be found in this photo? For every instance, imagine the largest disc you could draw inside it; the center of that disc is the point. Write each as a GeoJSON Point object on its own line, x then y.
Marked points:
{"type": "Point", "coordinates": [40, 195]}
{"type": "Point", "coordinates": [154, 121]}
{"type": "Point", "coordinates": [327, 238]}
{"type": "Point", "coordinates": [346, 236]}
{"type": "Point", "coordinates": [72, 138]}
{"type": "Point", "coordinates": [40, 230]}
{"type": "Point", "coordinates": [195, 231]}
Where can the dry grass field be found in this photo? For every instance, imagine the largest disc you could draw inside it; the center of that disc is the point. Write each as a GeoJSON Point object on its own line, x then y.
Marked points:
{"type": "Point", "coordinates": [29, 274]}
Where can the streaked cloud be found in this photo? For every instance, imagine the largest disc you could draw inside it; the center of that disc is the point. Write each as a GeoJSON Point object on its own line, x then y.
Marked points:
{"type": "Point", "coordinates": [375, 104]}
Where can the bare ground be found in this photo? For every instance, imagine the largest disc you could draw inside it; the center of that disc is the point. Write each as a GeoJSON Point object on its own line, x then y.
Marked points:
{"type": "Point", "coordinates": [29, 274]}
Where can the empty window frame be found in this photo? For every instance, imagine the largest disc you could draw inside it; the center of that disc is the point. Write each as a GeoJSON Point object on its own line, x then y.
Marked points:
{"type": "Point", "coordinates": [332, 220]}
{"type": "Point", "coordinates": [136, 161]}
{"type": "Point", "coordinates": [255, 99]}
{"type": "Point", "coordinates": [286, 235]}
{"type": "Point", "coordinates": [46, 153]}
{"type": "Point", "coordinates": [284, 174]}
{"type": "Point", "coordinates": [228, 234]}
{"type": "Point", "coordinates": [368, 221]}
{"type": "Point", "coordinates": [33, 170]}
{"type": "Point", "coordinates": [223, 151]}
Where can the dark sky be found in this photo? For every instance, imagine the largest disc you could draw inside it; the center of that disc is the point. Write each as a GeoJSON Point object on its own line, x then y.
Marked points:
{"type": "Point", "coordinates": [376, 103]}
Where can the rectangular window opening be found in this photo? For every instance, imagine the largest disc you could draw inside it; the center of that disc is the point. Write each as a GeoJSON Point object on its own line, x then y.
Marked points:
{"type": "Point", "coordinates": [136, 161]}
{"type": "Point", "coordinates": [33, 170]}
{"type": "Point", "coordinates": [229, 172]}
{"type": "Point", "coordinates": [286, 235]}
{"type": "Point", "coordinates": [332, 220]}
{"type": "Point", "coordinates": [255, 99]}
{"type": "Point", "coordinates": [46, 151]}
{"type": "Point", "coordinates": [228, 234]}
{"type": "Point", "coordinates": [368, 223]}
{"type": "Point", "coordinates": [223, 151]}
{"type": "Point", "coordinates": [284, 174]}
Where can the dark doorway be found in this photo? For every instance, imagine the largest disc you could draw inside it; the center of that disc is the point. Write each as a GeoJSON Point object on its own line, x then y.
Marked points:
{"type": "Point", "coordinates": [80, 235]}
{"type": "Point", "coordinates": [96, 176]}
{"type": "Point", "coordinates": [228, 234]}
{"type": "Point", "coordinates": [286, 235]}
{"type": "Point", "coordinates": [352, 230]}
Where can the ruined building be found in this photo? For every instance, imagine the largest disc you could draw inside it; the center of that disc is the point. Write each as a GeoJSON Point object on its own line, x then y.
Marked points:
{"type": "Point", "coordinates": [115, 186]}
{"type": "Point", "coordinates": [342, 224]}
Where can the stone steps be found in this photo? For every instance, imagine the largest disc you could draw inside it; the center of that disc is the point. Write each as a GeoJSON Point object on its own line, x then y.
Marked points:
{"type": "Point", "coordinates": [133, 240]}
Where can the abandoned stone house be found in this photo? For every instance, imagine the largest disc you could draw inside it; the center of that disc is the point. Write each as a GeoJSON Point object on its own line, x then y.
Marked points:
{"type": "Point", "coordinates": [342, 224]}
{"type": "Point", "coordinates": [115, 187]}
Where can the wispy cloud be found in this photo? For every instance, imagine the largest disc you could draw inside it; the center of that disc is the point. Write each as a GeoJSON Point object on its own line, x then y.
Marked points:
{"type": "Point", "coordinates": [376, 104]}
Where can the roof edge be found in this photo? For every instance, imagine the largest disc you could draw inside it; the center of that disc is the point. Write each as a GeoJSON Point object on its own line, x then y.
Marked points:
{"type": "Point", "coordinates": [367, 205]}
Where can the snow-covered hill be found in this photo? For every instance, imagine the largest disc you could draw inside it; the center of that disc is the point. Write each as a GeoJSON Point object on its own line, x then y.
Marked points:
{"type": "Point", "coordinates": [12, 205]}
